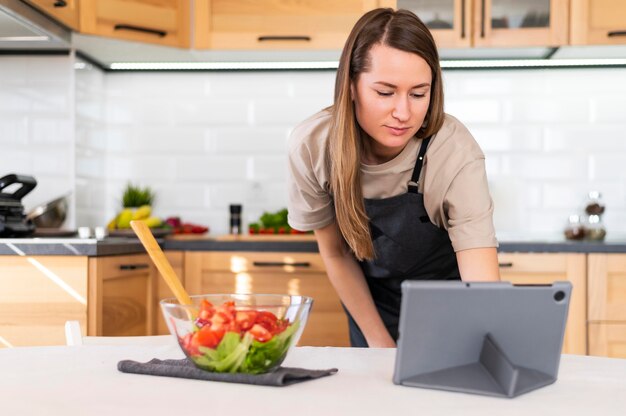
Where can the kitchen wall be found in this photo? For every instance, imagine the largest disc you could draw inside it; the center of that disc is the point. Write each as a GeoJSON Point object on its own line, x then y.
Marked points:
{"type": "Point", "coordinates": [37, 124]}
{"type": "Point", "coordinates": [204, 140]}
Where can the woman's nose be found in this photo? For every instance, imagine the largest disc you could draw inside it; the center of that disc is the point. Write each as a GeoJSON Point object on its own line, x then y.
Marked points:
{"type": "Point", "coordinates": [401, 110]}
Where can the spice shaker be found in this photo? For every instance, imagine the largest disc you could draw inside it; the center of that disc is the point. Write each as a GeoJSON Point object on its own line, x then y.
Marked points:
{"type": "Point", "coordinates": [574, 229]}
{"type": "Point", "coordinates": [594, 209]}
{"type": "Point", "coordinates": [595, 205]}
{"type": "Point", "coordinates": [235, 218]}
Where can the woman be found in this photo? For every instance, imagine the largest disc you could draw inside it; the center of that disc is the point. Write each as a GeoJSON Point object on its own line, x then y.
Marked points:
{"type": "Point", "coordinates": [394, 188]}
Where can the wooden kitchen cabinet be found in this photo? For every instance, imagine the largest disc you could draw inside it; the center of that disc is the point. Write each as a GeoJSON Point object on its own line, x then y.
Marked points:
{"type": "Point", "coordinates": [270, 272]}
{"type": "Point", "coordinates": [176, 259]}
{"type": "Point", "coordinates": [165, 22]}
{"type": "Point", "coordinates": [545, 268]}
{"type": "Point", "coordinates": [607, 304]}
{"type": "Point", "coordinates": [121, 296]}
{"type": "Point", "coordinates": [598, 22]}
{"type": "Point", "coordinates": [276, 24]}
{"type": "Point", "coordinates": [65, 11]}
{"type": "Point", "coordinates": [498, 23]}
{"type": "Point", "coordinates": [37, 295]}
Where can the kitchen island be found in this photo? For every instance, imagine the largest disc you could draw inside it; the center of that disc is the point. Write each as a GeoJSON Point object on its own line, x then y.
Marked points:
{"type": "Point", "coordinates": [85, 381]}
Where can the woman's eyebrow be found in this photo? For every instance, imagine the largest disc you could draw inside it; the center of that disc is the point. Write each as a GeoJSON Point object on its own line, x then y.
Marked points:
{"type": "Point", "coordinates": [387, 84]}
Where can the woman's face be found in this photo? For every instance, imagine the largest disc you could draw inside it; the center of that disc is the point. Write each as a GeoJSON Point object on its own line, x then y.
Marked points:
{"type": "Point", "coordinates": [391, 100]}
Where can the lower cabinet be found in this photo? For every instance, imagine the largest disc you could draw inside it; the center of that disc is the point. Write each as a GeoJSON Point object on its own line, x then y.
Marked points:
{"type": "Point", "coordinates": [545, 268]}
{"type": "Point", "coordinates": [37, 295]}
{"type": "Point", "coordinates": [607, 304]}
{"type": "Point", "coordinates": [271, 272]}
{"type": "Point", "coordinates": [176, 259]}
{"type": "Point", "coordinates": [121, 296]}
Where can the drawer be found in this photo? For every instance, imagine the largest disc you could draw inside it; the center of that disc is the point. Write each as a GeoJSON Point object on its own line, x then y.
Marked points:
{"type": "Point", "coordinates": [124, 266]}
{"type": "Point", "coordinates": [242, 262]}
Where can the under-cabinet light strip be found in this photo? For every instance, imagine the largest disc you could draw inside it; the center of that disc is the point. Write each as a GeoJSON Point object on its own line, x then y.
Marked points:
{"type": "Point", "coordinates": [445, 64]}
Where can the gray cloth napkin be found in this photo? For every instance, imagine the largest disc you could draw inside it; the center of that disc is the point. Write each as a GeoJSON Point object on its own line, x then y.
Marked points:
{"type": "Point", "coordinates": [282, 376]}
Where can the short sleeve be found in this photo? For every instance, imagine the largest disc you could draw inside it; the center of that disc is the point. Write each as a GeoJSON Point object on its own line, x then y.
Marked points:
{"type": "Point", "coordinates": [309, 203]}
{"type": "Point", "coordinates": [469, 209]}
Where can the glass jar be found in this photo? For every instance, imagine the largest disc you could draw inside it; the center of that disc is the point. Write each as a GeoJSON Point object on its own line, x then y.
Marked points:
{"type": "Point", "coordinates": [595, 204]}
{"type": "Point", "coordinates": [595, 229]}
{"type": "Point", "coordinates": [574, 229]}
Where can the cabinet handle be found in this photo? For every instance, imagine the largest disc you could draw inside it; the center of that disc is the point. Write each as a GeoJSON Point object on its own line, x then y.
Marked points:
{"type": "Point", "coordinates": [462, 19]}
{"type": "Point", "coordinates": [280, 264]}
{"type": "Point", "coordinates": [159, 33]}
{"type": "Point", "coordinates": [505, 265]}
{"type": "Point", "coordinates": [60, 3]}
{"type": "Point", "coordinates": [482, 19]}
{"type": "Point", "coordinates": [616, 33]}
{"type": "Point", "coordinates": [133, 266]}
{"type": "Point", "coordinates": [298, 38]}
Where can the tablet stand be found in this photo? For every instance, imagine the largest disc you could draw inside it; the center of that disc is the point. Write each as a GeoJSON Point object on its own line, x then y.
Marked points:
{"type": "Point", "coordinates": [493, 374]}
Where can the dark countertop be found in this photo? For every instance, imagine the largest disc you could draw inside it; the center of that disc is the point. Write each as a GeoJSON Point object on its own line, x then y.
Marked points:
{"type": "Point", "coordinates": [295, 244]}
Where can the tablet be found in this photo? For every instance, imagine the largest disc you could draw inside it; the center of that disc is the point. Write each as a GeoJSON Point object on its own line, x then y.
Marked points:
{"type": "Point", "coordinates": [491, 338]}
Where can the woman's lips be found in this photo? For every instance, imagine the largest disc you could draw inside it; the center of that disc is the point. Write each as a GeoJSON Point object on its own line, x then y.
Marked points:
{"type": "Point", "coordinates": [397, 131]}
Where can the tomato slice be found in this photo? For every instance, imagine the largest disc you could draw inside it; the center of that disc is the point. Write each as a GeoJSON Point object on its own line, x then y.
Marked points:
{"type": "Point", "coordinates": [208, 338]}
{"type": "Point", "coordinates": [245, 319]}
{"type": "Point", "coordinates": [267, 320]}
{"type": "Point", "coordinates": [259, 333]}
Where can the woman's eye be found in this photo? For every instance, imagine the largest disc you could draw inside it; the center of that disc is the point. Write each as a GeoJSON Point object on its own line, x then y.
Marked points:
{"type": "Point", "coordinates": [418, 95]}
{"type": "Point", "coordinates": [384, 93]}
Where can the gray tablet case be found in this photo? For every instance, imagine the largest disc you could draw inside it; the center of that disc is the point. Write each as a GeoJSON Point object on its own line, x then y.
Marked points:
{"type": "Point", "coordinates": [489, 338]}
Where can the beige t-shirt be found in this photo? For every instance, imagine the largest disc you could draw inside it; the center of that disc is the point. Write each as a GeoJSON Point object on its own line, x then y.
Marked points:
{"type": "Point", "coordinates": [453, 181]}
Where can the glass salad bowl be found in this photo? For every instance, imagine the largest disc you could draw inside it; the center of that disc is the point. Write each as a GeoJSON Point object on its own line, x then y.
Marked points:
{"type": "Point", "coordinates": [237, 333]}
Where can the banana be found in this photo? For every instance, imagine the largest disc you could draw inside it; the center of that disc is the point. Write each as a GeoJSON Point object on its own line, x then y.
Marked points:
{"type": "Point", "coordinates": [112, 224]}
{"type": "Point", "coordinates": [124, 218]}
{"type": "Point", "coordinates": [142, 212]}
{"type": "Point", "coordinates": [153, 222]}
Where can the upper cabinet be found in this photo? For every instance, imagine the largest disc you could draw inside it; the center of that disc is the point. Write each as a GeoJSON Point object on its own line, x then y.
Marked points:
{"type": "Point", "coordinates": [502, 23]}
{"type": "Point", "coordinates": [598, 22]}
{"type": "Point", "coordinates": [166, 22]}
{"type": "Point", "coordinates": [65, 11]}
{"type": "Point", "coordinates": [276, 24]}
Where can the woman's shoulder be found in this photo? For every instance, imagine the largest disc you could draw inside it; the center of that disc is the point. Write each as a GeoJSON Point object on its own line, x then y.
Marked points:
{"type": "Point", "coordinates": [455, 137]}
{"type": "Point", "coordinates": [311, 133]}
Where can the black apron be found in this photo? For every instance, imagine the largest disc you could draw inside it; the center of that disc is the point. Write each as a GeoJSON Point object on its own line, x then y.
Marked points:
{"type": "Point", "coordinates": [407, 245]}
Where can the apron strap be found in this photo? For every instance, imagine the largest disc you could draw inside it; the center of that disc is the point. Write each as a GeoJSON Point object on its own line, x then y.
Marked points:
{"type": "Point", "coordinates": [414, 182]}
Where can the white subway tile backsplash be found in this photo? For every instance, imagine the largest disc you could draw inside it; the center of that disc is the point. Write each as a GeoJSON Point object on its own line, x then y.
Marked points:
{"type": "Point", "coordinates": [547, 109]}
{"type": "Point", "coordinates": [210, 168]}
{"type": "Point", "coordinates": [171, 140]}
{"type": "Point", "coordinates": [474, 110]}
{"type": "Point", "coordinates": [247, 85]}
{"type": "Point", "coordinates": [210, 111]}
{"type": "Point", "coordinates": [538, 166]}
{"type": "Point", "coordinates": [53, 162]}
{"type": "Point", "coordinates": [287, 111]}
{"type": "Point", "coordinates": [608, 167]}
{"type": "Point", "coordinates": [247, 140]}
{"type": "Point", "coordinates": [586, 138]}
{"type": "Point", "coordinates": [13, 130]}
{"type": "Point", "coordinates": [269, 168]}
{"type": "Point", "coordinates": [610, 109]}
{"type": "Point", "coordinates": [51, 131]}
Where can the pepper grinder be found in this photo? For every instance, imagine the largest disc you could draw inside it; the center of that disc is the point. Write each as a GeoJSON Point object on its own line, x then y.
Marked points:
{"type": "Point", "coordinates": [235, 219]}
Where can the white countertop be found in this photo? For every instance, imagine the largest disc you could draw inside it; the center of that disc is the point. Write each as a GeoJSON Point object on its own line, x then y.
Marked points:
{"type": "Point", "coordinates": [85, 381]}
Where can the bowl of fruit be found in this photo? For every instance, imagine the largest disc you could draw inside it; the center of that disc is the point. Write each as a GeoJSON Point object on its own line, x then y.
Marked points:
{"type": "Point", "coordinates": [234, 333]}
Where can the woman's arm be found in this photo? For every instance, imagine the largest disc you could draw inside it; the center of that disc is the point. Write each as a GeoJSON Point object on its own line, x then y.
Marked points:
{"type": "Point", "coordinates": [478, 264]}
{"type": "Point", "coordinates": [347, 278]}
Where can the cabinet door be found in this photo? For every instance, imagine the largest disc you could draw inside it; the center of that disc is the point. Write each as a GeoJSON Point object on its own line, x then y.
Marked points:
{"type": "Point", "coordinates": [37, 295]}
{"type": "Point", "coordinates": [166, 22]}
{"type": "Point", "coordinates": [520, 23]}
{"type": "Point", "coordinates": [545, 268]}
{"type": "Point", "coordinates": [607, 287]}
{"type": "Point", "coordinates": [176, 259]}
{"type": "Point", "coordinates": [607, 339]}
{"type": "Point", "coordinates": [448, 20]}
{"type": "Point", "coordinates": [289, 273]}
{"type": "Point", "coordinates": [598, 22]}
{"type": "Point", "coordinates": [65, 11]}
{"type": "Point", "coordinates": [276, 24]}
{"type": "Point", "coordinates": [121, 296]}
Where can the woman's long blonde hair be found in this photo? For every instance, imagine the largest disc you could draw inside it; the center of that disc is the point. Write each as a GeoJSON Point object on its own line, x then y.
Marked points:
{"type": "Point", "coordinates": [401, 30]}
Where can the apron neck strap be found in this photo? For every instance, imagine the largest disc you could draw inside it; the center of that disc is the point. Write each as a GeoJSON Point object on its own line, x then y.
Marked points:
{"type": "Point", "coordinates": [414, 184]}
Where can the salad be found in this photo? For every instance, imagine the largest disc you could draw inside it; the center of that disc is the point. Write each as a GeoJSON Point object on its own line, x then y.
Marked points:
{"type": "Point", "coordinates": [227, 339]}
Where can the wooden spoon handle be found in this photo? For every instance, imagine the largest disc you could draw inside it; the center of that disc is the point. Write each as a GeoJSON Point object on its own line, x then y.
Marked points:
{"type": "Point", "coordinates": [162, 264]}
